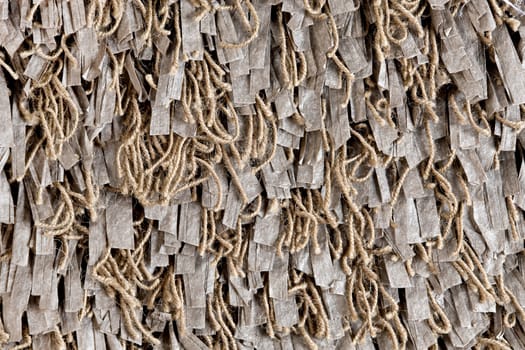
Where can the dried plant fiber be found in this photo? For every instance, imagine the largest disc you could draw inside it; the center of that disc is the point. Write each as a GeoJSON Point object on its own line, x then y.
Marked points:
{"type": "Point", "coordinates": [262, 174]}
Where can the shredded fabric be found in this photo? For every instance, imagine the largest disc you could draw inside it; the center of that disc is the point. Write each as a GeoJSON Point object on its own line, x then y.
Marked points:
{"type": "Point", "coordinates": [262, 174]}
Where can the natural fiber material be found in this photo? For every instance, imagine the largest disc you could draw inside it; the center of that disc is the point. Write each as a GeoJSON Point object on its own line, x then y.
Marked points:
{"type": "Point", "coordinates": [268, 174]}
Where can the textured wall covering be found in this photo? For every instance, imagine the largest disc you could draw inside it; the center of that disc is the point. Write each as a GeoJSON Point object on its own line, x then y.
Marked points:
{"type": "Point", "coordinates": [262, 174]}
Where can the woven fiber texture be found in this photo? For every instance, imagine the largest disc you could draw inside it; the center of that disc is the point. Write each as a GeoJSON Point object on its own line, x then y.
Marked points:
{"type": "Point", "coordinates": [262, 174]}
